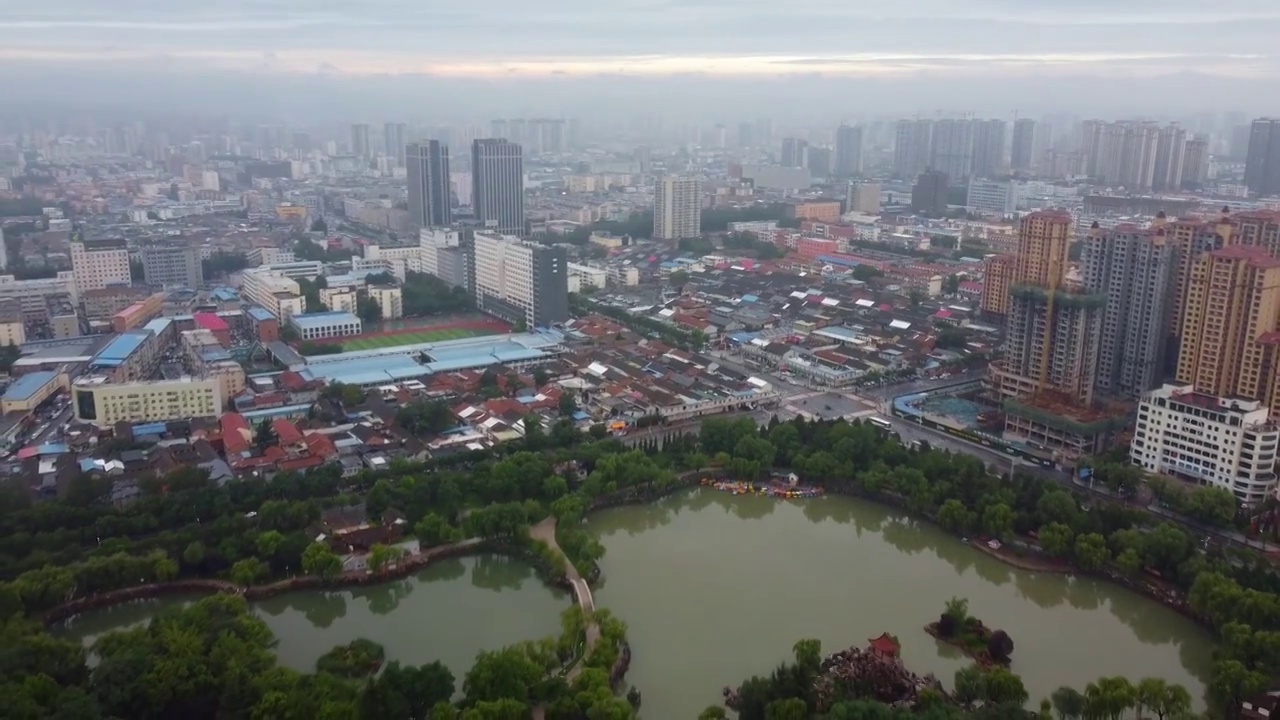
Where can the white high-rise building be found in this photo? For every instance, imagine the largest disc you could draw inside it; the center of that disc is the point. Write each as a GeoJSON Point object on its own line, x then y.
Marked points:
{"type": "Point", "coordinates": [1221, 442]}
{"type": "Point", "coordinates": [520, 281]}
{"type": "Point", "coordinates": [677, 208]}
{"type": "Point", "coordinates": [97, 264]}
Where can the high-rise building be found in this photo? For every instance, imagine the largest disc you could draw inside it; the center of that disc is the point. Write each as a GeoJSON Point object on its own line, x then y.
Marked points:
{"type": "Point", "coordinates": [1192, 237]}
{"type": "Point", "coordinates": [172, 266]}
{"type": "Point", "coordinates": [1262, 161]}
{"type": "Point", "coordinates": [1260, 228]}
{"type": "Point", "coordinates": [497, 185]}
{"type": "Point", "coordinates": [520, 281]}
{"type": "Point", "coordinates": [360, 146]}
{"type": "Point", "coordinates": [677, 208]}
{"type": "Point", "coordinates": [992, 197]}
{"type": "Point", "coordinates": [430, 198]}
{"type": "Point", "coordinates": [848, 151]}
{"type": "Point", "coordinates": [988, 148]}
{"type": "Point", "coordinates": [863, 198]}
{"type": "Point", "coordinates": [1195, 165]}
{"type": "Point", "coordinates": [1135, 268]}
{"type": "Point", "coordinates": [793, 152]}
{"type": "Point", "coordinates": [911, 147]}
{"type": "Point", "coordinates": [997, 271]}
{"type": "Point", "coordinates": [929, 194]}
{"type": "Point", "coordinates": [1046, 379]}
{"type": "Point", "coordinates": [1170, 161]}
{"type": "Point", "coordinates": [1230, 318]}
{"type": "Point", "coordinates": [1024, 138]}
{"type": "Point", "coordinates": [96, 264]}
{"type": "Point", "coordinates": [953, 148]}
{"type": "Point", "coordinates": [393, 138]}
{"type": "Point", "coordinates": [818, 160]}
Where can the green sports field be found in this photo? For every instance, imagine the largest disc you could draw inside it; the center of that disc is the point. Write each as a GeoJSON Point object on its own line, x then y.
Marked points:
{"type": "Point", "coordinates": [409, 338]}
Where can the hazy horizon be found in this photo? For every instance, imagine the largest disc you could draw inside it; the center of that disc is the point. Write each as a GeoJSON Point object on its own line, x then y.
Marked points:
{"type": "Point", "coordinates": [703, 59]}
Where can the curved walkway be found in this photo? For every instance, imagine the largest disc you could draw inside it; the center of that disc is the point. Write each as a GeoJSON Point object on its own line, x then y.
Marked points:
{"type": "Point", "coordinates": [546, 532]}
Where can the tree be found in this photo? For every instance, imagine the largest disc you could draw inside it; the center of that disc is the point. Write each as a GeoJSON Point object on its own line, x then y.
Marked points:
{"type": "Point", "coordinates": [193, 555]}
{"type": "Point", "coordinates": [713, 712]}
{"type": "Point", "coordinates": [867, 272]}
{"type": "Point", "coordinates": [954, 618]}
{"type": "Point", "coordinates": [568, 404]}
{"type": "Point", "coordinates": [381, 556]}
{"type": "Point", "coordinates": [319, 226]}
{"type": "Point", "coordinates": [248, 571]}
{"type": "Point", "coordinates": [788, 709]}
{"type": "Point", "coordinates": [1231, 683]}
{"type": "Point", "coordinates": [368, 309]}
{"type": "Point", "coordinates": [970, 685]}
{"type": "Point", "coordinates": [319, 560]}
{"type": "Point", "coordinates": [1211, 505]}
{"type": "Point", "coordinates": [1068, 702]}
{"type": "Point", "coordinates": [678, 278]}
{"type": "Point", "coordinates": [1000, 646]}
{"type": "Point", "coordinates": [402, 691]}
{"type": "Point", "coordinates": [264, 435]}
{"type": "Point", "coordinates": [1130, 562]}
{"type": "Point", "coordinates": [954, 516]}
{"type": "Point", "coordinates": [808, 654]}
{"type": "Point", "coordinates": [1091, 552]}
{"type": "Point", "coordinates": [1056, 539]}
{"type": "Point", "coordinates": [1163, 699]}
{"type": "Point", "coordinates": [997, 520]}
{"type": "Point", "coordinates": [1001, 686]}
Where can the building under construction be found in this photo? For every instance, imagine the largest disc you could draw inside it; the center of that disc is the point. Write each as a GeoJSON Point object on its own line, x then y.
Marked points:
{"type": "Point", "coordinates": [1045, 383]}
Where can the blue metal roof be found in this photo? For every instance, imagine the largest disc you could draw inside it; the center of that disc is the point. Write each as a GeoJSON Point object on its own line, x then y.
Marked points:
{"type": "Point", "coordinates": [214, 354]}
{"type": "Point", "coordinates": [323, 319]}
{"type": "Point", "coordinates": [831, 260]}
{"type": "Point", "coordinates": [118, 350]}
{"type": "Point", "coordinates": [159, 325]}
{"type": "Point", "coordinates": [367, 371]}
{"type": "Point", "coordinates": [27, 385]}
{"type": "Point", "coordinates": [260, 314]}
{"type": "Point", "coordinates": [157, 428]}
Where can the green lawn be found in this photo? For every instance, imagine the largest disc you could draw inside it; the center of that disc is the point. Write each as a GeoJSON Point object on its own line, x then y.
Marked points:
{"type": "Point", "coordinates": [408, 338]}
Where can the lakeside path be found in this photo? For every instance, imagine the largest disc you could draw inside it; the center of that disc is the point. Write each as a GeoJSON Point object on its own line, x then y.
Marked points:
{"type": "Point", "coordinates": [546, 532]}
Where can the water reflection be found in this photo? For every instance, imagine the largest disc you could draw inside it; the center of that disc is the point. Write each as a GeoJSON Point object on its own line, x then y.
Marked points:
{"type": "Point", "coordinates": [321, 609]}
{"type": "Point", "coordinates": [499, 572]}
{"type": "Point", "coordinates": [386, 597]}
{"type": "Point", "coordinates": [1044, 590]}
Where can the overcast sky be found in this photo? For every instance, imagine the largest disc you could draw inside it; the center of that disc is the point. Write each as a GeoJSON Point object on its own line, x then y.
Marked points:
{"type": "Point", "coordinates": [943, 50]}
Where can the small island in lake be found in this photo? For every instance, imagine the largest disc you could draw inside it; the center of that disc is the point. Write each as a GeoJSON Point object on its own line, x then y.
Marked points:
{"type": "Point", "coordinates": [959, 629]}
{"type": "Point", "coordinates": [357, 659]}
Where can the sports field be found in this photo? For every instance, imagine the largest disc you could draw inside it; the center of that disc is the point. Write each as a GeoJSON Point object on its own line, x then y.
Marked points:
{"type": "Point", "coordinates": [373, 342]}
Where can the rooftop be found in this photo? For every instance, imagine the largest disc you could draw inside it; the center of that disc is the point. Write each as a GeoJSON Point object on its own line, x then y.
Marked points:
{"type": "Point", "coordinates": [27, 385]}
{"type": "Point", "coordinates": [315, 320]}
{"type": "Point", "coordinates": [118, 350]}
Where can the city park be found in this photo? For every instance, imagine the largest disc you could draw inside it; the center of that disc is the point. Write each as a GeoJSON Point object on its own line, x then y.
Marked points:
{"type": "Point", "coordinates": [252, 540]}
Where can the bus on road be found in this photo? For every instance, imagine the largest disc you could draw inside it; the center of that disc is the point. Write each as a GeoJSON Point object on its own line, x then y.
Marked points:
{"type": "Point", "coordinates": [880, 423]}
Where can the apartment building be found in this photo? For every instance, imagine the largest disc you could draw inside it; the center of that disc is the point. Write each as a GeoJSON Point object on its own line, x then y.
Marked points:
{"type": "Point", "coordinates": [997, 271]}
{"type": "Point", "coordinates": [1134, 267]}
{"type": "Point", "coordinates": [98, 401]}
{"type": "Point", "coordinates": [1229, 323]}
{"type": "Point", "coordinates": [520, 281]}
{"type": "Point", "coordinates": [172, 266]}
{"type": "Point", "coordinates": [389, 298]}
{"type": "Point", "coordinates": [677, 208]}
{"type": "Point", "coordinates": [340, 299]}
{"type": "Point", "coordinates": [97, 264]}
{"type": "Point", "coordinates": [277, 294]}
{"type": "Point", "coordinates": [1205, 439]}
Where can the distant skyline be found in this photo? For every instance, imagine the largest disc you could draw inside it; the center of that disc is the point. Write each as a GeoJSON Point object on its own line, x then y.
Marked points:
{"type": "Point", "coordinates": [986, 56]}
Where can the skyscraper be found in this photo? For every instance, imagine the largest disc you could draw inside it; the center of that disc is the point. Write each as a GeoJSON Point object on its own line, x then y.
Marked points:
{"type": "Point", "coordinates": [848, 151]}
{"type": "Point", "coordinates": [793, 152]}
{"type": "Point", "coordinates": [911, 147]}
{"type": "Point", "coordinates": [1195, 165]}
{"type": "Point", "coordinates": [1232, 306]}
{"type": "Point", "coordinates": [953, 149]}
{"type": "Point", "coordinates": [1022, 158]}
{"type": "Point", "coordinates": [988, 148]}
{"type": "Point", "coordinates": [1046, 379]}
{"type": "Point", "coordinates": [393, 140]}
{"type": "Point", "coordinates": [360, 141]}
{"type": "Point", "coordinates": [929, 194]}
{"type": "Point", "coordinates": [1193, 237]}
{"type": "Point", "coordinates": [497, 185]}
{"type": "Point", "coordinates": [430, 198]}
{"type": "Point", "coordinates": [1136, 269]}
{"type": "Point", "coordinates": [677, 208]}
{"type": "Point", "coordinates": [1262, 162]}
{"type": "Point", "coordinates": [1171, 153]}
{"type": "Point", "coordinates": [997, 270]}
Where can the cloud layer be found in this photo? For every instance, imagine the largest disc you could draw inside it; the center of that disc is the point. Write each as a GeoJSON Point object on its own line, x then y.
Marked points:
{"type": "Point", "coordinates": [656, 37]}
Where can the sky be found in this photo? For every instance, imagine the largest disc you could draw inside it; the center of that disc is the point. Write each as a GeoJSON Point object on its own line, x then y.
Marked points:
{"type": "Point", "coordinates": [930, 52]}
